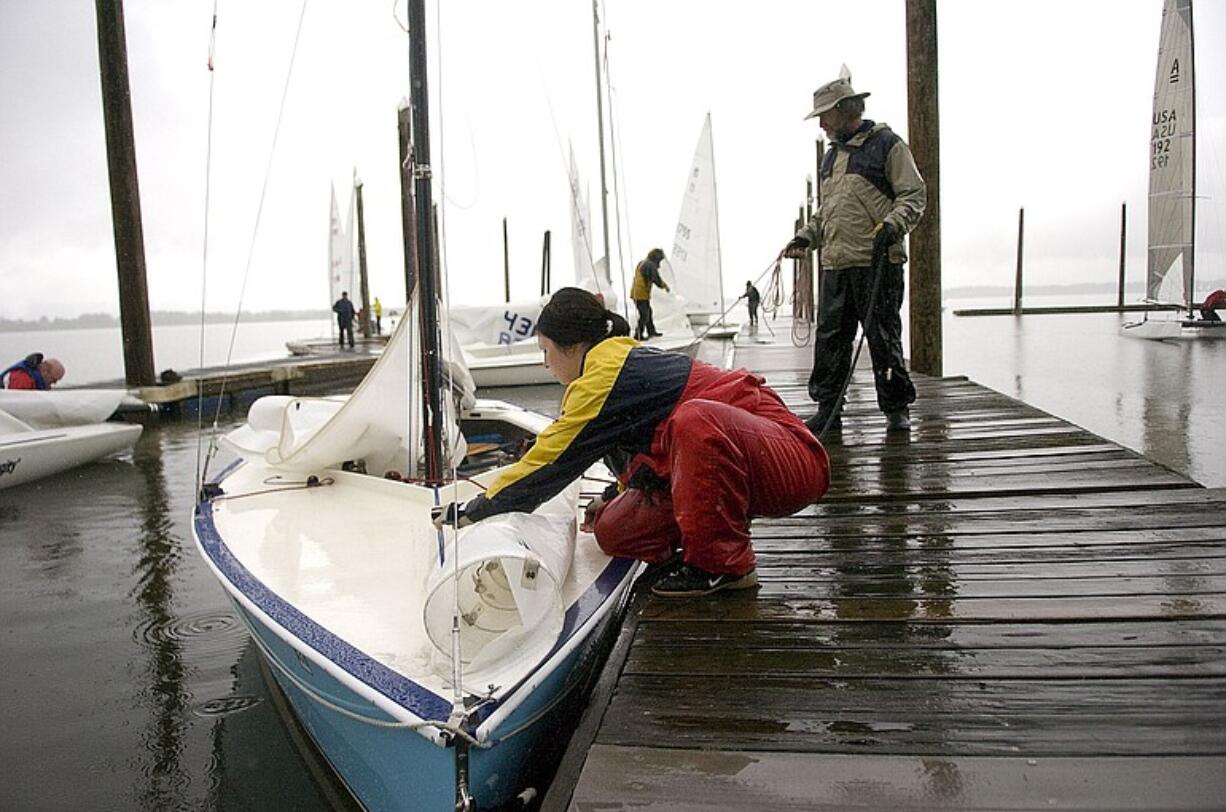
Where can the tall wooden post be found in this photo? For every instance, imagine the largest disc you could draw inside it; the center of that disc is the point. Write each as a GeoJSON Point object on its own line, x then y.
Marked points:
{"type": "Point", "coordinates": [363, 280]}
{"type": "Point", "coordinates": [423, 195]}
{"type": "Point", "coordinates": [1123, 246]}
{"type": "Point", "coordinates": [408, 215]}
{"type": "Point", "coordinates": [1017, 281]}
{"type": "Point", "coordinates": [125, 195]}
{"type": "Point", "coordinates": [924, 126]}
{"type": "Point", "coordinates": [545, 265]}
{"type": "Point", "coordinates": [506, 260]}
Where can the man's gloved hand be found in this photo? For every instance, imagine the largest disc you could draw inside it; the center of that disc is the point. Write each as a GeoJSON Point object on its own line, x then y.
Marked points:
{"type": "Point", "coordinates": [796, 248]}
{"type": "Point", "coordinates": [886, 235]}
{"type": "Point", "coordinates": [452, 514]}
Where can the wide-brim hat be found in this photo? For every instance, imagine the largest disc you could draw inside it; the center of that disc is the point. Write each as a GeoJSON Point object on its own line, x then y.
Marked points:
{"type": "Point", "coordinates": [830, 94]}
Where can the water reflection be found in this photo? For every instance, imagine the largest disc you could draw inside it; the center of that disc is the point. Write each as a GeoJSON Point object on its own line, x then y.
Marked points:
{"type": "Point", "coordinates": [893, 583]}
{"type": "Point", "coordinates": [1166, 406]}
{"type": "Point", "coordinates": [162, 679]}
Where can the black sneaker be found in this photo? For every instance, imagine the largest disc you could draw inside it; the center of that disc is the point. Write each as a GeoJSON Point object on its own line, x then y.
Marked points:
{"type": "Point", "coordinates": [690, 582]}
{"type": "Point", "coordinates": [898, 421]}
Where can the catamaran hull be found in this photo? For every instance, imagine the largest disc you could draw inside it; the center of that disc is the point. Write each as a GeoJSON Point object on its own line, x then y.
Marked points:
{"type": "Point", "coordinates": [1174, 330]}
{"type": "Point", "coordinates": [388, 765]}
{"type": "Point", "coordinates": [27, 456]}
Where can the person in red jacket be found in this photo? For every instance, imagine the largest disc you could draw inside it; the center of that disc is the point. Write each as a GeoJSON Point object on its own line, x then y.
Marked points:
{"type": "Point", "coordinates": [1213, 302]}
{"type": "Point", "coordinates": [700, 450]}
{"type": "Point", "coordinates": [32, 372]}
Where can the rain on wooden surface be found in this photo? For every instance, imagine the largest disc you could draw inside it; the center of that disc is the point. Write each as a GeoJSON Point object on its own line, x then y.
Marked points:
{"type": "Point", "coordinates": [1001, 610]}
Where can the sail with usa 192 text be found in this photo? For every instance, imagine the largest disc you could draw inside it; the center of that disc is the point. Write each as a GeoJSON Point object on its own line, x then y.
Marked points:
{"type": "Point", "coordinates": [1172, 187]}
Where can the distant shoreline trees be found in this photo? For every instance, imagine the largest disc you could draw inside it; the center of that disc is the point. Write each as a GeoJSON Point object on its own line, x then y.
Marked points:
{"type": "Point", "coordinates": [161, 318]}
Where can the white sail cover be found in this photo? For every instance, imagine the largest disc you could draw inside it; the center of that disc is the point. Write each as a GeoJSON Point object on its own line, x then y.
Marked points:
{"type": "Point", "coordinates": [340, 255]}
{"type": "Point", "coordinates": [695, 264]}
{"type": "Point", "coordinates": [498, 324]}
{"type": "Point", "coordinates": [510, 573]}
{"type": "Point", "coordinates": [1171, 157]}
{"type": "Point", "coordinates": [54, 408]}
{"type": "Point", "coordinates": [380, 423]}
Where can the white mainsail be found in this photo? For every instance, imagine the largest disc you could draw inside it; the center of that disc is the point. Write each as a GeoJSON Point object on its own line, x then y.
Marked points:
{"type": "Point", "coordinates": [340, 254]}
{"type": "Point", "coordinates": [1172, 162]}
{"type": "Point", "coordinates": [695, 262]}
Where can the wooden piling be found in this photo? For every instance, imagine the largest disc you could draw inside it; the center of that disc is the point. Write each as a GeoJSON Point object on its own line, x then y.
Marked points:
{"type": "Point", "coordinates": [1123, 246]}
{"type": "Point", "coordinates": [506, 260]}
{"type": "Point", "coordinates": [924, 126]}
{"type": "Point", "coordinates": [545, 265]}
{"type": "Point", "coordinates": [364, 282]}
{"type": "Point", "coordinates": [1017, 281]}
{"type": "Point", "coordinates": [125, 195]}
{"type": "Point", "coordinates": [408, 213]}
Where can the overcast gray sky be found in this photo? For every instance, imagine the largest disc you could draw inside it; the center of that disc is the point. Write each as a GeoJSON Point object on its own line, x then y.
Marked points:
{"type": "Point", "coordinates": [1044, 104]}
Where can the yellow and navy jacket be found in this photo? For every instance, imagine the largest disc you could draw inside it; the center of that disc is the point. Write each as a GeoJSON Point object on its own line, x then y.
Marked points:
{"type": "Point", "coordinates": [616, 406]}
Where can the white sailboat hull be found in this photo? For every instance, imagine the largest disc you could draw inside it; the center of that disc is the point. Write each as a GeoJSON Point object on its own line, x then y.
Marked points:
{"type": "Point", "coordinates": [1174, 329]}
{"type": "Point", "coordinates": [333, 582]}
{"type": "Point", "coordinates": [32, 454]}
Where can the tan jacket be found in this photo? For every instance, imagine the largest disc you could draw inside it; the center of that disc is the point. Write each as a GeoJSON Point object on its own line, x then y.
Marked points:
{"type": "Point", "coordinates": [868, 180]}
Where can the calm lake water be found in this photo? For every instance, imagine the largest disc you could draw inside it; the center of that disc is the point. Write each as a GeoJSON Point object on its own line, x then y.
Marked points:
{"type": "Point", "coordinates": [128, 683]}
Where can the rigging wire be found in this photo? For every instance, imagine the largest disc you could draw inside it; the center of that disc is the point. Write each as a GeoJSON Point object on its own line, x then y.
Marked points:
{"type": "Point", "coordinates": [256, 228]}
{"type": "Point", "coordinates": [617, 205]}
{"type": "Point", "coordinates": [572, 181]}
{"type": "Point", "coordinates": [204, 258]}
{"type": "Point", "coordinates": [445, 352]}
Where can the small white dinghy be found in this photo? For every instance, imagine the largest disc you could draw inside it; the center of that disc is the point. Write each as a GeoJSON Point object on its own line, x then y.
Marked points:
{"type": "Point", "coordinates": [420, 661]}
{"type": "Point", "coordinates": [28, 453]}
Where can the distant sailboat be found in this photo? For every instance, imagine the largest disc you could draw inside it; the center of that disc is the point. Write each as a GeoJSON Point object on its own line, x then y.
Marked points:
{"type": "Point", "coordinates": [696, 262]}
{"type": "Point", "coordinates": [1172, 185]}
{"type": "Point", "coordinates": [342, 278]}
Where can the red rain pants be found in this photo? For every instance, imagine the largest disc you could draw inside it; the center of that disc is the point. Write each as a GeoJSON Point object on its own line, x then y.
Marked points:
{"type": "Point", "coordinates": [725, 465]}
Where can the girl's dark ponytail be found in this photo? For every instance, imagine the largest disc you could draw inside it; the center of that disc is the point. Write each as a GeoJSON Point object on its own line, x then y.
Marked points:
{"type": "Point", "coordinates": [576, 316]}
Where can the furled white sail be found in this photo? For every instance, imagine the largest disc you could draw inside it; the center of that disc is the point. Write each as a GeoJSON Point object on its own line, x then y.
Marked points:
{"type": "Point", "coordinates": [378, 424]}
{"type": "Point", "coordinates": [695, 263]}
{"type": "Point", "coordinates": [1172, 162]}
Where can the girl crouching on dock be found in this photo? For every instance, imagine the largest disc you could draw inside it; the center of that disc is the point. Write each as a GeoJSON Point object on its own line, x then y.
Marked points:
{"type": "Point", "coordinates": [699, 451]}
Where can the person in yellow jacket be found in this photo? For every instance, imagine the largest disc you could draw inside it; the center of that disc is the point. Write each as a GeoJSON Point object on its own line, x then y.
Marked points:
{"type": "Point", "coordinates": [646, 275]}
{"type": "Point", "coordinates": [378, 308]}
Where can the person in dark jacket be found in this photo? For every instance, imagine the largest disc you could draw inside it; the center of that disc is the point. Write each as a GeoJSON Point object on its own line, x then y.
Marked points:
{"type": "Point", "coordinates": [32, 372]}
{"type": "Point", "coordinates": [752, 300]}
{"type": "Point", "coordinates": [344, 318]}
{"type": "Point", "coordinates": [699, 450]}
{"type": "Point", "coordinates": [646, 276]}
{"type": "Point", "coordinates": [872, 195]}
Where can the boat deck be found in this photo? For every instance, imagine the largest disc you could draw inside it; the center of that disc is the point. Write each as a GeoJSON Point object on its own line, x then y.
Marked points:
{"type": "Point", "coordinates": [1000, 611]}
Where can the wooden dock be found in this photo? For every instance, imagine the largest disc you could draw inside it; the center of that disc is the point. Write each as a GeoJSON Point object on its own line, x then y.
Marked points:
{"type": "Point", "coordinates": [320, 373]}
{"type": "Point", "coordinates": [1000, 611]}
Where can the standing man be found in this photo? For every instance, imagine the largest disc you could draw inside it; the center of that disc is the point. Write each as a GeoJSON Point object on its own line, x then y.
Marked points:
{"type": "Point", "coordinates": [378, 308]}
{"type": "Point", "coordinates": [646, 275]}
{"type": "Point", "coordinates": [344, 317]}
{"type": "Point", "coordinates": [872, 195]}
{"type": "Point", "coordinates": [752, 300]}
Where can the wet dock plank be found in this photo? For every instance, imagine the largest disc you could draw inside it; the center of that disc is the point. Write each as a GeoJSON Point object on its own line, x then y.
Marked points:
{"type": "Point", "coordinates": [1001, 611]}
